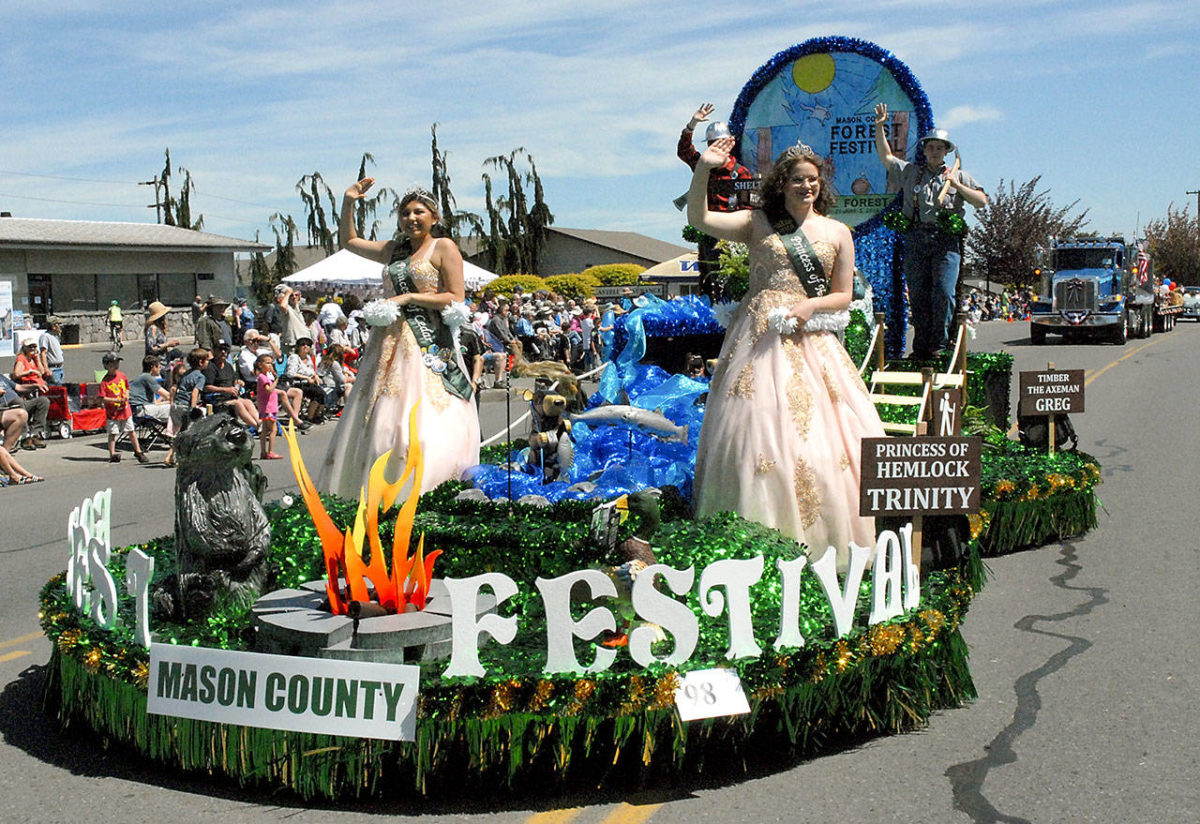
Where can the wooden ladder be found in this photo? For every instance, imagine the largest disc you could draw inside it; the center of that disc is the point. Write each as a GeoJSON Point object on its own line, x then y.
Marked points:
{"type": "Point", "coordinates": [887, 386]}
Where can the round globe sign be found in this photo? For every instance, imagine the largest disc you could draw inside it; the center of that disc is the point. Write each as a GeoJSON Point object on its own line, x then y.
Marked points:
{"type": "Point", "coordinates": [823, 93]}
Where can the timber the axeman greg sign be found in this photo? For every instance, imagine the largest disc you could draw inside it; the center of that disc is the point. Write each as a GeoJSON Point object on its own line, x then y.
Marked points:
{"type": "Point", "coordinates": [1051, 392]}
{"type": "Point", "coordinates": [920, 476]}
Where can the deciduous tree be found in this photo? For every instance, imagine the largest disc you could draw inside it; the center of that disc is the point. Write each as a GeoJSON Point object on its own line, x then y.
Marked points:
{"type": "Point", "coordinates": [1174, 246]}
{"type": "Point", "coordinates": [1016, 221]}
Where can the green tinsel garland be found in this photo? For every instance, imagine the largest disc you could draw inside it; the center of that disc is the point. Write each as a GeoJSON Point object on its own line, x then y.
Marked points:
{"type": "Point", "coordinates": [852, 690]}
{"type": "Point", "coordinates": [519, 727]}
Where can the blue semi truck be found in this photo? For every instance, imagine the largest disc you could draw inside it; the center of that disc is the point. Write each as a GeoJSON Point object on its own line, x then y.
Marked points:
{"type": "Point", "coordinates": [1098, 289]}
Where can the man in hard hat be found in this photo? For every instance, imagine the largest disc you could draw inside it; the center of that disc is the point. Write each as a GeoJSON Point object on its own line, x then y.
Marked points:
{"type": "Point", "coordinates": [722, 197]}
{"type": "Point", "coordinates": [722, 194]}
{"type": "Point", "coordinates": [930, 193]}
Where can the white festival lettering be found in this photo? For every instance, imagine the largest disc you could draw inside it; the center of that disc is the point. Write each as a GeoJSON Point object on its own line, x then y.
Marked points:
{"type": "Point", "coordinates": [723, 588]}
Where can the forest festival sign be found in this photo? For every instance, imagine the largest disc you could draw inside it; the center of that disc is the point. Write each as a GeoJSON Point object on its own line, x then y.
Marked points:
{"type": "Point", "coordinates": [825, 97]}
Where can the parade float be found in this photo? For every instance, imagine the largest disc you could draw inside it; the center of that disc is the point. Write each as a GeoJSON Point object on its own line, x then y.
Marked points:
{"type": "Point", "coordinates": [531, 630]}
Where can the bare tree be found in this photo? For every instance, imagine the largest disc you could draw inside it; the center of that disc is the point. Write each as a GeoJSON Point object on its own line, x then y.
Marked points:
{"type": "Point", "coordinates": [1015, 222]}
{"type": "Point", "coordinates": [1174, 246]}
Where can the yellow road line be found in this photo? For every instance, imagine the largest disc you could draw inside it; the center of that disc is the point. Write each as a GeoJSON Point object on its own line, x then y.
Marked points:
{"type": "Point", "coordinates": [20, 640]}
{"type": "Point", "coordinates": [1088, 380]}
{"type": "Point", "coordinates": [8, 656]}
{"type": "Point", "coordinates": [630, 814]}
{"type": "Point", "coordinates": [555, 816]}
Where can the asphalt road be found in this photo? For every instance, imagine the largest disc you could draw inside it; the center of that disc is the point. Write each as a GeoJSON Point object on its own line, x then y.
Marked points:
{"type": "Point", "coordinates": [1084, 654]}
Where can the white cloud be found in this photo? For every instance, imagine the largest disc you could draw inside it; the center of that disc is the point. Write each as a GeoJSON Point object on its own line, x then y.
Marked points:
{"type": "Point", "coordinates": [962, 115]}
{"type": "Point", "coordinates": [252, 99]}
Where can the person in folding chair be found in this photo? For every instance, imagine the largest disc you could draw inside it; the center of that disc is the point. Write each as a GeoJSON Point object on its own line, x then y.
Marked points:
{"type": "Point", "coordinates": [151, 404]}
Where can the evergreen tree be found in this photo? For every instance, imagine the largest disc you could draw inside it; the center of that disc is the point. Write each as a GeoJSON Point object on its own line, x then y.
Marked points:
{"type": "Point", "coordinates": [286, 233]}
{"type": "Point", "coordinates": [517, 231]}
{"type": "Point", "coordinates": [262, 280]}
{"type": "Point", "coordinates": [311, 187]}
{"type": "Point", "coordinates": [366, 207]}
{"type": "Point", "coordinates": [453, 219]}
{"type": "Point", "coordinates": [172, 211]}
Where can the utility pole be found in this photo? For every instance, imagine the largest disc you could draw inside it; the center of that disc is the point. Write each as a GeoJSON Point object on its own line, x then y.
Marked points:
{"type": "Point", "coordinates": [1197, 194]}
{"type": "Point", "coordinates": [156, 205]}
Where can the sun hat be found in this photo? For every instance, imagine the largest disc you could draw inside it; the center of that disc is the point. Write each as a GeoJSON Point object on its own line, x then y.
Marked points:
{"type": "Point", "coordinates": [155, 311]}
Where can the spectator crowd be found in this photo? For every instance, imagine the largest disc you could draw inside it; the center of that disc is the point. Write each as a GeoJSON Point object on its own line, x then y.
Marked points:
{"type": "Point", "coordinates": [289, 360]}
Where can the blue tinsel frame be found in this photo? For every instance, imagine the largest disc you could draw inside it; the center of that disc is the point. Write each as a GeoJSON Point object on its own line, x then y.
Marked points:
{"type": "Point", "coordinates": [877, 250]}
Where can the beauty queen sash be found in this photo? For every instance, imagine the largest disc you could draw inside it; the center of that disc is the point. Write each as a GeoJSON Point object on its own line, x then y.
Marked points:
{"type": "Point", "coordinates": [434, 338]}
{"type": "Point", "coordinates": [806, 263]}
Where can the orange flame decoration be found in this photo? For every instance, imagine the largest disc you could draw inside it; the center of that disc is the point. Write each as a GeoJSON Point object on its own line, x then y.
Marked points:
{"type": "Point", "coordinates": [408, 581]}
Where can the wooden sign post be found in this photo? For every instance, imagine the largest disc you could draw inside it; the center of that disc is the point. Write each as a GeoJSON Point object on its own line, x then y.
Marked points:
{"type": "Point", "coordinates": [1049, 394]}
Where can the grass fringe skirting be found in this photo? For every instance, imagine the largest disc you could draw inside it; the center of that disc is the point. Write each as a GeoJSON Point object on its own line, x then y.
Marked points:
{"type": "Point", "coordinates": [524, 751]}
{"type": "Point", "coordinates": [1015, 525]}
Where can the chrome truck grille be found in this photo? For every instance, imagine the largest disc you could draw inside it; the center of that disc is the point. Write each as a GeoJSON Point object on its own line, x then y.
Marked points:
{"type": "Point", "coordinates": [1076, 295]}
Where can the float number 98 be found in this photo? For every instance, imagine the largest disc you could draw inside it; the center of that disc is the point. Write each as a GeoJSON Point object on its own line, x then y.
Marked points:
{"type": "Point", "coordinates": [700, 693]}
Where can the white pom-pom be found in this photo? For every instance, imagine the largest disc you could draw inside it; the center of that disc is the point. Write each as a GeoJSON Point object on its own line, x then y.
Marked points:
{"type": "Point", "coordinates": [779, 321]}
{"type": "Point", "coordinates": [828, 321]}
{"type": "Point", "coordinates": [723, 312]}
{"type": "Point", "coordinates": [381, 312]}
{"type": "Point", "coordinates": [456, 314]}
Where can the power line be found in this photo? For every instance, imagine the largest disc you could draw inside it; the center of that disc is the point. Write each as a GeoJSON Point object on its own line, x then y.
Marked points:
{"type": "Point", "coordinates": [73, 202]}
{"type": "Point", "coordinates": [60, 177]}
{"type": "Point", "coordinates": [124, 183]}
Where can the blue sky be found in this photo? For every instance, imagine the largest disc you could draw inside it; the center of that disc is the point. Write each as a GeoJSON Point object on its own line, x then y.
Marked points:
{"type": "Point", "coordinates": [1096, 97]}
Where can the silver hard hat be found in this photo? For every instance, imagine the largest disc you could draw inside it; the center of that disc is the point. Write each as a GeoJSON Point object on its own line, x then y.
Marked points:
{"type": "Point", "coordinates": [716, 130]}
{"type": "Point", "coordinates": [942, 135]}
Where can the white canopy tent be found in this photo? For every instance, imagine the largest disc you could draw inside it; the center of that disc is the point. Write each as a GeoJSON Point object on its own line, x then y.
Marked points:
{"type": "Point", "coordinates": [344, 270]}
{"type": "Point", "coordinates": [681, 275]}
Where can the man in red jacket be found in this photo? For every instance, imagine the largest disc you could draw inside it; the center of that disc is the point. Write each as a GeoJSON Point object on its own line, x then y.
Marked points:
{"type": "Point", "coordinates": [722, 196]}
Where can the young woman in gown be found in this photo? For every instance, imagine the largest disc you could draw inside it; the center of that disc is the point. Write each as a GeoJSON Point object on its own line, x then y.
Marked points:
{"type": "Point", "coordinates": [412, 359]}
{"type": "Point", "coordinates": [787, 412]}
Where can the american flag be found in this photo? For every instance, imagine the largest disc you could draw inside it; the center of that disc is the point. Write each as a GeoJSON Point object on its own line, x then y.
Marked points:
{"type": "Point", "coordinates": [1141, 267]}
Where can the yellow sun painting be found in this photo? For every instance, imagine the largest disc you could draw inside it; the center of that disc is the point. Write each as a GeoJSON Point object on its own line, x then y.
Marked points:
{"type": "Point", "coordinates": [814, 72]}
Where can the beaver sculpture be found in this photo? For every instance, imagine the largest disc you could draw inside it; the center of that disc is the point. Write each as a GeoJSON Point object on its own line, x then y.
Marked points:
{"type": "Point", "coordinates": [221, 532]}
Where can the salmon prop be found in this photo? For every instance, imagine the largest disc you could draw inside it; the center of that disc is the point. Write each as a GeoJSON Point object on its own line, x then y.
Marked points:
{"type": "Point", "coordinates": [406, 585]}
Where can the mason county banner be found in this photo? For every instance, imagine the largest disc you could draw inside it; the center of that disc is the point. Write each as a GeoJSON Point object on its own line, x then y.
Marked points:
{"type": "Point", "coordinates": [282, 692]}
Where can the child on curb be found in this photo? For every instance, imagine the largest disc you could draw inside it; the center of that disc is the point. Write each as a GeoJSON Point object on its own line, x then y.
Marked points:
{"type": "Point", "coordinates": [266, 396]}
{"type": "Point", "coordinates": [114, 389]}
